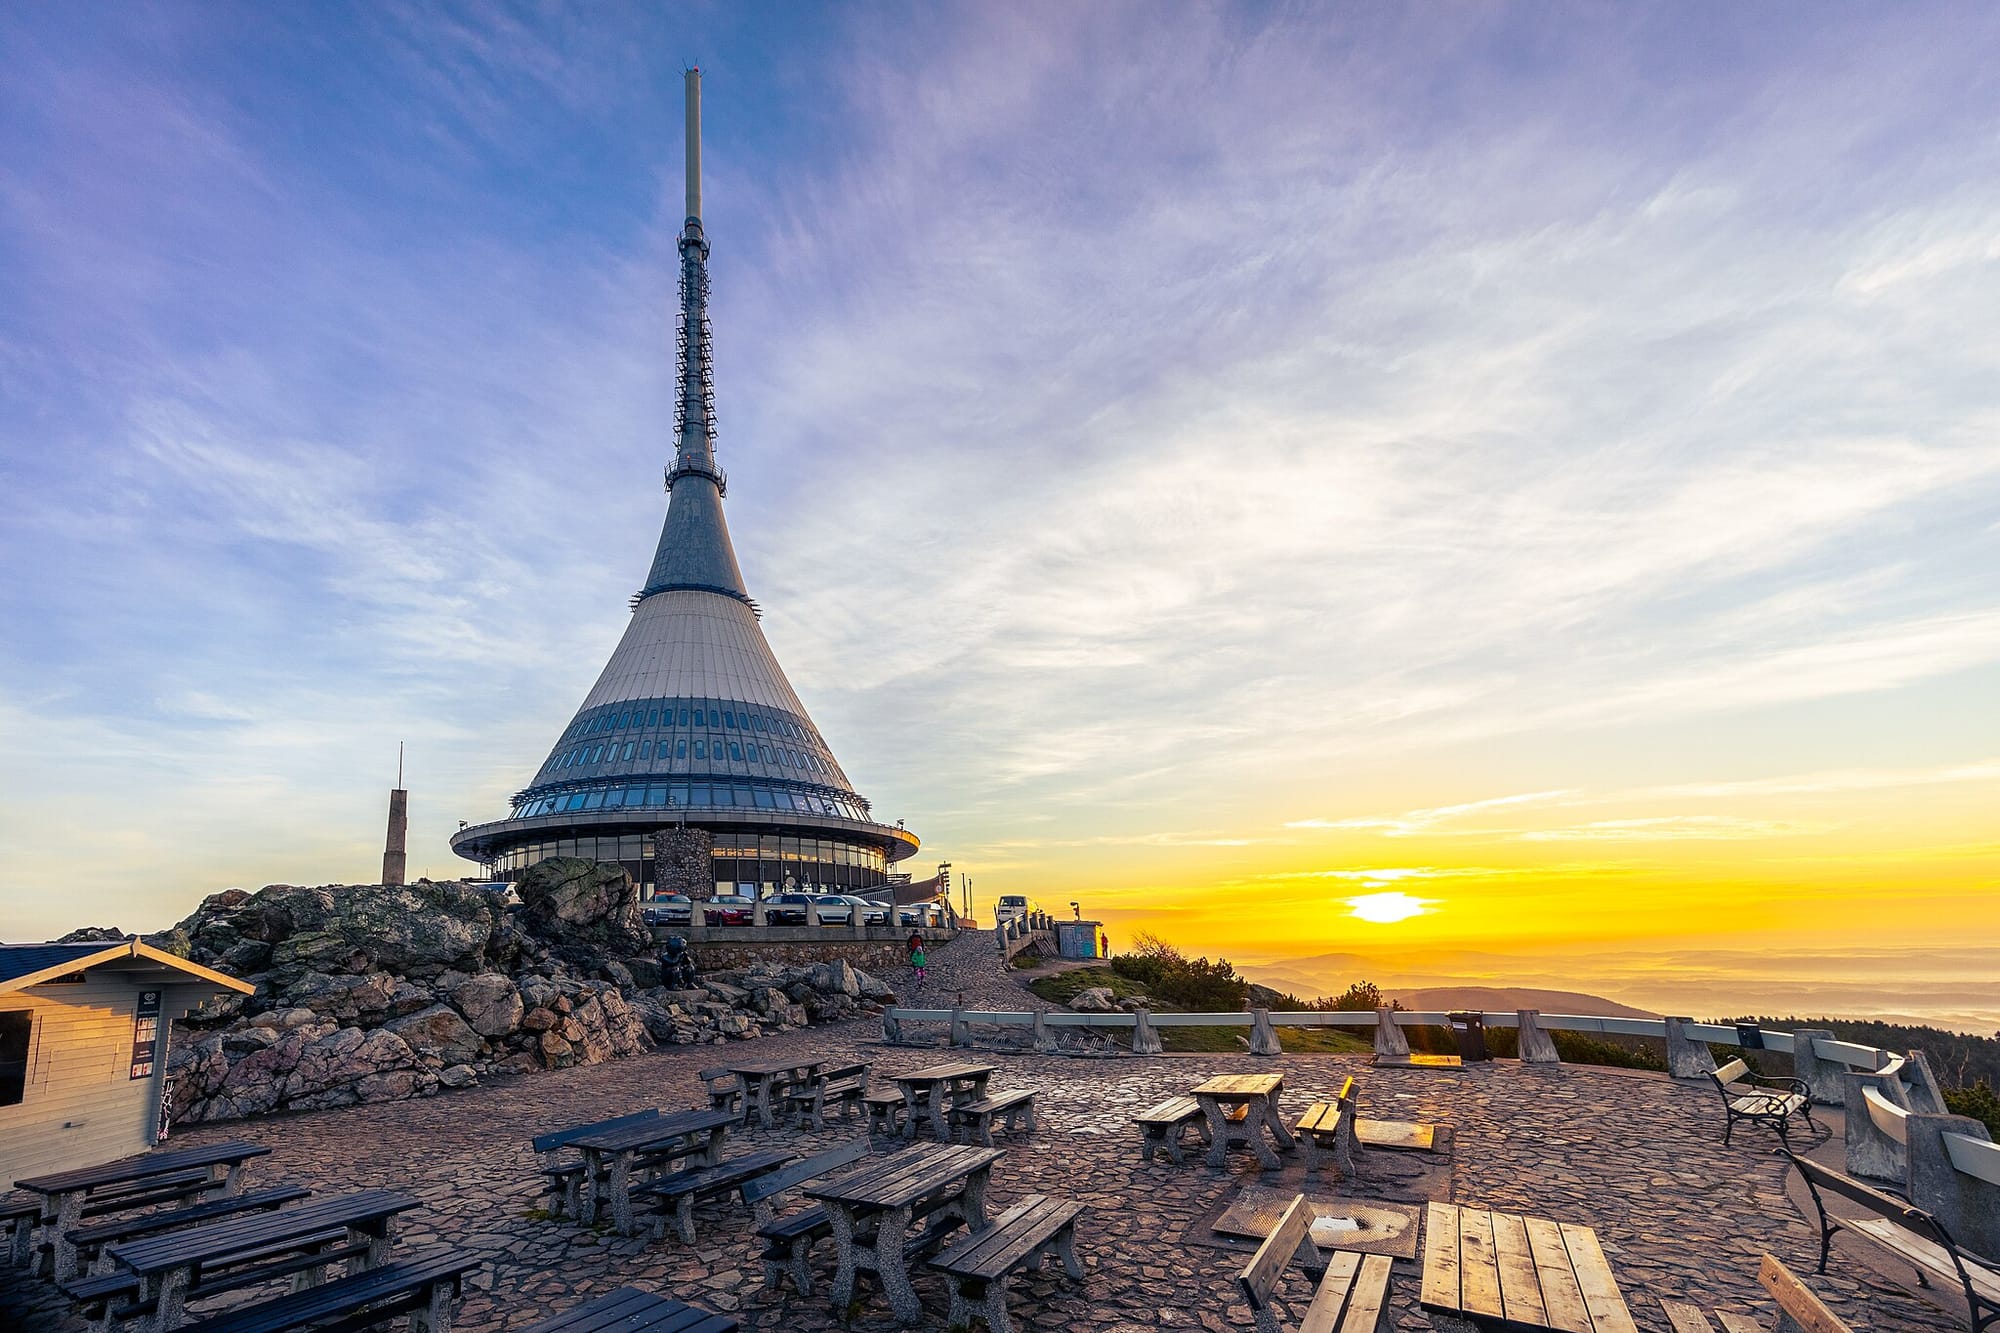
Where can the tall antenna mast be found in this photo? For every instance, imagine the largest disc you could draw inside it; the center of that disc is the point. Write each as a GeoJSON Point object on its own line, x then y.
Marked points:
{"type": "Point", "coordinates": [399, 765]}
{"type": "Point", "coordinates": [693, 77]}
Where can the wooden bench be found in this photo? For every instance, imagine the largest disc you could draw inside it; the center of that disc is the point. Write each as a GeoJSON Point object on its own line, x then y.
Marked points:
{"type": "Point", "coordinates": [1329, 1128]}
{"type": "Point", "coordinates": [1906, 1231]}
{"type": "Point", "coordinates": [564, 1177]}
{"type": "Point", "coordinates": [91, 1240]}
{"type": "Point", "coordinates": [885, 1110]}
{"type": "Point", "coordinates": [1353, 1289]}
{"type": "Point", "coordinates": [1771, 1102]}
{"type": "Point", "coordinates": [1163, 1126]}
{"type": "Point", "coordinates": [20, 1211]}
{"type": "Point", "coordinates": [845, 1086]}
{"type": "Point", "coordinates": [1799, 1311]}
{"type": "Point", "coordinates": [1528, 1271]}
{"type": "Point", "coordinates": [1009, 1107]}
{"type": "Point", "coordinates": [725, 1089]}
{"type": "Point", "coordinates": [106, 1300]}
{"type": "Point", "coordinates": [1020, 1238]}
{"type": "Point", "coordinates": [426, 1284]}
{"type": "Point", "coordinates": [788, 1240]}
{"type": "Point", "coordinates": [676, 1193]}
{"type": "Point", "coordinates": [631, 1310]}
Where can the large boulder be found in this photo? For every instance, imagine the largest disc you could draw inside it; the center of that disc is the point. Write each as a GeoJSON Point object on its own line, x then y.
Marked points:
{"type": "Point", "coordinates": [438, 1031]}
{"type": "Point", "coordinates": [1096, 1000]}
{"type": "Point", "coordinates": [584, 902]}
{"type": "Point", "coordinates": [490, 1002]}
{"type": "Point", "coordinates": [413, 930]}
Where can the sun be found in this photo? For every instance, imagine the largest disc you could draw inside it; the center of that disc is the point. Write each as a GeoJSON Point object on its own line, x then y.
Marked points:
{"type": "Point", "coordinates": [1386, 908]}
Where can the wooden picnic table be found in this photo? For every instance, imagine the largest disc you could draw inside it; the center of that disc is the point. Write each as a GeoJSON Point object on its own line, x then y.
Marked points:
{"type": "Point", "coordinates": [169, 1266]}
{"type": "Point", "coordinates": [632, 1310]}
{"type": "Point", "coordinates": [1254, 1097]}
{"type": "Point", "coordinates": [871, 1211]}
{"type": "Point", "coordinates": [1528, 1271]}
{"type": "Point", "coordinates": [608, 1156]}
{"type": "Point", "coordinates": [933, 1086]}
{"type": "Point", "coordinates": [65, 1194]}
{"type": "Point", "coordinates": [759, 1077]}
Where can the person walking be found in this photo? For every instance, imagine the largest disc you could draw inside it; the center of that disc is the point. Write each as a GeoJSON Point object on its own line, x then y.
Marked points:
{"type": "Point", "coordinates": [915, 946]}
{"type": "Point", "coordinates": [917, 961]}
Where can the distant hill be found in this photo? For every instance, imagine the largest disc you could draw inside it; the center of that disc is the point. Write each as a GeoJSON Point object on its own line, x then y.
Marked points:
{"type": "Point", "coordinates": [1506, 999]}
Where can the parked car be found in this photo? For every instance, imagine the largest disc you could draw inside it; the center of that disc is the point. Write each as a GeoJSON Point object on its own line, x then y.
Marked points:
{"type": "Point", "coordinates": [1010, 906]}
{"type": "Point", "coordinates": [729, 909]}
{"type": "Point", "coordinates": [839, 909]}
{"type": "Point", "coordinates": [668, 909]}
{"type": "Point", "coordinates": [920, 914]}
{"type": "Point", "coordinates": [789, 909]}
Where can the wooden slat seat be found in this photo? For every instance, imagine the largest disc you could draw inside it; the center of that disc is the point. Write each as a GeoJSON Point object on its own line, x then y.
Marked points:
{"type": "Point", "coordinates": [1352, 1291]}
{"type": "Point", "coordinates": [676, 1193]}
{"type": "Point", "coordinates": [91, 1239]}
{"type": "Point", "coordinates": [1771, 1102]}
{"type": "Point", "coordinates": [1799, 1310]}
{"type": "Point", "coordinates": [977, 1117]}
{"type": "Point", "coordinates": [845, 1087]}
{"type": "Point", "coordinates": [885, 1109]}
{"type": "Point", "coordinates": [788, 1240]}
{"type": "Point", "coordinates": [109, 1299]}
{"type": "Point", "coordinates": [1905, 1230]}
{"type": "Point", "coordinates": [1685, 1318]}
{"type": "Point", "coordinates": [423, 1283]}
{"type": "Point", "coordinates": [1528, 1271]}
{"type": "Point", "coordinates": [1328, 1128]}
{"type": "Point", "coordinates": [725, 1089]}
{"type": "Point", "coordinates": [631, 1310]}
{"type": "Point", "coordinates": [1020, 1238]}
{"type": "Point", "coordinates": [563, 1176]}
{"type": "Point", "coordinates": [1163, 1125]}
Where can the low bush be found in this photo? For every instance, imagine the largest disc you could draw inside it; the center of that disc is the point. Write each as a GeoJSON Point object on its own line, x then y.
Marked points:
{"type": "Point", "coordinates": [1978, 1101]}
{"type": "Point", "coordinates": [1193, 984]}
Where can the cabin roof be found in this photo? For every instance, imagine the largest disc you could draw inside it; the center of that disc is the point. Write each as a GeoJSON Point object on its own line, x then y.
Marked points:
{"type": "Point", "coordinates": [25, 965]}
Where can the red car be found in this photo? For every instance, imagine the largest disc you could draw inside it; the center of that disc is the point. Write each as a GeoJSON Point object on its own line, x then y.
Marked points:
{"type": "Point", "coordinates": [727, 909]}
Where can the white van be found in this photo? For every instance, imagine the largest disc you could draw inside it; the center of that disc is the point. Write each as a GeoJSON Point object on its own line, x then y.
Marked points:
{"type": "Point", "coordinates": [1011, 905]}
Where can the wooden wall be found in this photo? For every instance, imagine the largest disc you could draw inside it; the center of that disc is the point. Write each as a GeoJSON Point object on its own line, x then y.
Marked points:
{"type": "Point", "coordinates": [82, 1106]}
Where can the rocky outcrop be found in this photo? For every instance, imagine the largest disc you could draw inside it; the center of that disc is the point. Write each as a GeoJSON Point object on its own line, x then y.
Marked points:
{"type": "Point", "coordinates": [377, 992]}
{"type": "Point", "coordinates": [1096, 1000]}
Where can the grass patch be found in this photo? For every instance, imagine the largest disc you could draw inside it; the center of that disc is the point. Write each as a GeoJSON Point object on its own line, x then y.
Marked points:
{"type": "Point", "coordinates": [1066, 986]}
{"type": "Point", "coordinates": [1294, 1041]}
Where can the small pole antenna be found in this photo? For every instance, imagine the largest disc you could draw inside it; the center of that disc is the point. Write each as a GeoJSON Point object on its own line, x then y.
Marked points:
{"type": "Point", "coordinates": [399, 765]}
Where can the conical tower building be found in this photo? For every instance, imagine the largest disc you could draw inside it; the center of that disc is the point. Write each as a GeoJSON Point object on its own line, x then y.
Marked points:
{"type": "Point", "coordinates": [692, 741]}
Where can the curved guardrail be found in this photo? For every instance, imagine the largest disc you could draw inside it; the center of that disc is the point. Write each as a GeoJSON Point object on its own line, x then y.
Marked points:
{"type": "Point", "coordinates": [1978, 1159]}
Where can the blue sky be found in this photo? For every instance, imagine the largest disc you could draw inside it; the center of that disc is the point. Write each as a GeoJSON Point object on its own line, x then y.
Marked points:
{"type": "Point", "coordinates": [1177, 447]}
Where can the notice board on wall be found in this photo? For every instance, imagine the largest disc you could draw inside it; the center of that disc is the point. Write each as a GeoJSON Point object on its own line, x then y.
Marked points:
{"type": "Point", "coordinates": [145, 1034]}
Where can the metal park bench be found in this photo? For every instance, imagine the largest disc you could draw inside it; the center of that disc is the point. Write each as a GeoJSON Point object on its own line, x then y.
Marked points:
{"type": "Point", "coordinates": [1771, 1102]}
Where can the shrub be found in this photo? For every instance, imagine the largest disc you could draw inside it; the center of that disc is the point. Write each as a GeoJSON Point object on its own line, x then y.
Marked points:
{"type": "Point", "coordinates": [1192, 983]}
{"type": "Point", "coordinates": [1978, 1101]}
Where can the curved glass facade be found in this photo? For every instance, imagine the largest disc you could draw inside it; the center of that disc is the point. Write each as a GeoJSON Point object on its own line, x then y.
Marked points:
{"type": "Point", "coordinates": [773, 862]}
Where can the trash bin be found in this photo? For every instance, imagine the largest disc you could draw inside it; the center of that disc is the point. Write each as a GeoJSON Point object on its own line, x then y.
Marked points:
{"type": "Point", "coordinates": [1469, 1030]}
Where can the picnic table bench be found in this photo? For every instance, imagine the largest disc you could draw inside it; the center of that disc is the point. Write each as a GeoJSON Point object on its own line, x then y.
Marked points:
{"type": "Point", "coordinates": [885, 1108]}
{"type": "Point", "coordinates": [20, 1212]}
{"type": "Point", "coordinates": [133, 1182]}
{"type": "Point", "coordinates": [872, 1210]}
{"type": "Point", "coordinates": [1163, 1125]}
{"type": "Point", "coordinates": [1529, 1271]}
{"type": "Point", "coordinates": [788, 1240]}
{"type": "Point", "coordinates": [806, 1100]}
{"type": "Point", "coordinates": [611, 1156]}
{"type": "Point", "coordinates": [425, 1284]}
{"type": "Point", "coordinates": [1910, 1233]}
{"type": "Point", "coordinates": [1352, 1291]}
{"type": "Point", "coordinates": [1240, 1109]}
{"type": "Point", "coordinates": [91, 1240]}
{"type": "Point", "coordinates": [763, 1077]}
{"type": "Point", "coordinates": [1798, 1309]}
{"type": "Point", "coordinates": [631, 1310]}
{"type": "Point", "coordinates": [1019, 1238]}
{"type": "Point", "coordinates": [1330, 1128]}
{"type": "Point", "coordinates": [1771, 1102]}
{"type": "Point", "coordinates": [241, 1251]}
{"type": "Point", "coordinates": [977, 1117]}
{"type": "Point", "coordinates": [725, 1089]}
{"type": "Point", "coordinates": [675, 1194]}
{"type": "Point", "coordinates": [565, 1177]}
{"type": "Point", "coordinates": [934, 1087]}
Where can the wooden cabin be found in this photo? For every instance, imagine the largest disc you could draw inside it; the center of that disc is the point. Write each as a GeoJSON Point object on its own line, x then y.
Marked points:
{"type": "Point", "coordinates": [83, 1049]}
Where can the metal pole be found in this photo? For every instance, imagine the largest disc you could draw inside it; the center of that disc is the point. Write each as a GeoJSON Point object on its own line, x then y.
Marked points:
{"type": "Point", "coordinates": [694, 142]}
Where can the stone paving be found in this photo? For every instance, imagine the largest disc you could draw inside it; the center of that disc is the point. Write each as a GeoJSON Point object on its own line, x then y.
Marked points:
{"type": "Point", "coordinates": [1637, 1157]}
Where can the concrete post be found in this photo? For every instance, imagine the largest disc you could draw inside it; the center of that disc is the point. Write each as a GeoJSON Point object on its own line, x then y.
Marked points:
{"type": "Point", "coordinates": [697, 926]}
{"type": "Point", "coordinates": [859, 924]}
{"type": "Point", "coordinates": [1536, 1047]}
{"type": "Point", "coordinates": [1263, 1037]}
{"type": "Point", "coordinates": [961, 1033]}
{"type": "Point", "coordinates": [1686, 1057]}
{"type": "Point", "coordinates": [1045, 1040]}
{"type": "Point", "coordinates": [1389, 1038]}
{"type": "Point", "coordinates": [757, 911]}
{"type": "Point", "coordinates": [892, 1027]}
{"type": "Point", "coordinates": [1968, 1207]}
{"type": "Point", "coordinates": [1870, 1152]}
{"type": "Point", "coordinates": [394, 859]}
{"type": "Point", "coordinates": [1823, 1077]}
{"type": "Point", "coordinates": [1145, 1037]}
{"type": "Point", "coordinates": [1924, 1093]}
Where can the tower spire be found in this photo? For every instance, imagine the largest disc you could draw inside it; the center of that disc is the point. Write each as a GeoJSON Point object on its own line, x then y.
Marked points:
{"type": "Point", "coordinates": [695, 551]}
